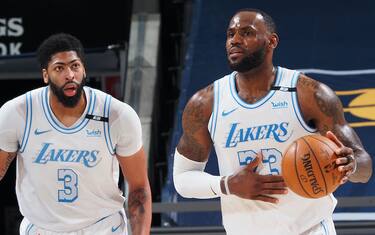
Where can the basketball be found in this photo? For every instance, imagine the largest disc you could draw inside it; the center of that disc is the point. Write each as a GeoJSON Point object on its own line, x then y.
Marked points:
{"type": "Point", "coordinates": [308, 166]}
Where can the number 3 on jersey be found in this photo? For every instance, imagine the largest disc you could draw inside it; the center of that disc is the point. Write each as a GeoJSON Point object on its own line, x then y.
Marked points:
{"type": "Point", "coordinates": [271, 160]}
{"type": "Point", "coordinates": [69, 178]}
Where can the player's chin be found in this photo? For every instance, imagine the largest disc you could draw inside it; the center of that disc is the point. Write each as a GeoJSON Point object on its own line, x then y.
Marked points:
{"type": "Point", "coordinates": [235, 65]}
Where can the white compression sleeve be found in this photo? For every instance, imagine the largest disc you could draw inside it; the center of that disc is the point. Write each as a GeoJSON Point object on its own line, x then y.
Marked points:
{"type": "Point", "coordinates": [191, 181]}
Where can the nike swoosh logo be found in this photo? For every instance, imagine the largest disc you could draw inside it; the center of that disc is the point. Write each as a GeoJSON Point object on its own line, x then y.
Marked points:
{"type": "Point", "coordinates": [38, 132]}
{"type": "Point", "coordinates": [114, 229]}
{"type": "Point", "coordinates": [224, 113]}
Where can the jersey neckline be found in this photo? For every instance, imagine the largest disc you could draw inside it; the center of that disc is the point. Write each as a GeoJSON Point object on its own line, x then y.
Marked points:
{"type": "Point", "coordinates": [241, 102]}
{"type": "Point", "coordinates": [80, 123]}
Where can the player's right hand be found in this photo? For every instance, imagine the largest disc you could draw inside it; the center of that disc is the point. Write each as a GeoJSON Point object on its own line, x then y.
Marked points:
{"type": "Point", "coordinates": [248, 184]}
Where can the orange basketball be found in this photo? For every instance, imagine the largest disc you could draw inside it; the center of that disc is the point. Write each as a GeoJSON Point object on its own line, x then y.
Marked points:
{"type": "Point", "coordinates": [308, 166]}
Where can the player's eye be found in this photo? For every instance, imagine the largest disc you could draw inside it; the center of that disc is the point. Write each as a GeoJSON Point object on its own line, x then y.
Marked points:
{"type": "Point", "coordinates": [230, 34]}
{"type": "Point", "coordinates": [59, 68]}
{"type": "Point", "coordinates": [76, 66]}
{"type": "Point", "coordinates": [247, 33]}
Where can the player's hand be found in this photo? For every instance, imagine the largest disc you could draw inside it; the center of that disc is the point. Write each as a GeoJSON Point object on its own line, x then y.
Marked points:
{"type": "Point", "coordinates": [346, 161]}
{"type": "Point", "coordinates": [250, 185]}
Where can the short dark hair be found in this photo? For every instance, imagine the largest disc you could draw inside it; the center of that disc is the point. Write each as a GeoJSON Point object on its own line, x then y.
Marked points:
{"type": "Point", "coordinates": [270, 24]}
{"type": "Point", "coordinates": [56, 43]}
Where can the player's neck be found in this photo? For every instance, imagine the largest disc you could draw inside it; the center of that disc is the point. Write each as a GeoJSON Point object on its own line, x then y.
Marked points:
{"type": "Point", "coordinates": [258, 79]}
{"type": "Point", "coordinates": [67, 115]}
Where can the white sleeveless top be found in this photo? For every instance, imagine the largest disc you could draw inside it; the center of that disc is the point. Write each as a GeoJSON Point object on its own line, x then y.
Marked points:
{"type": "Point", "coordinates": [240, 130]}
{"type": "Point", "coordinates": [67, 176]}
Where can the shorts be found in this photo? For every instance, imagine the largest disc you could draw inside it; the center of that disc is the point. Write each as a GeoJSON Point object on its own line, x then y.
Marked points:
{"type": "Point", "coordinates": [325, 227]}
{"type": "Point", "coordinates": [110, 225]}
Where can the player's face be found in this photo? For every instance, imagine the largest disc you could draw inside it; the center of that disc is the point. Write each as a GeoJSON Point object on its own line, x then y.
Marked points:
{"type": "Point", "coordinates": [246, 41]}
{"type": "Point", "coordinates": [65, 75]}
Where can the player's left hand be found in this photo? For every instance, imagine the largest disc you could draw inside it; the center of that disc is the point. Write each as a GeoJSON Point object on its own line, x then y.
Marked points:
{"type": "Point", "coordinates": [346, 161]}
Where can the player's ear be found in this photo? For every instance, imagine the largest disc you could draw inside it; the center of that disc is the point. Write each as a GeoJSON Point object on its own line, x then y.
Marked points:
{"type": "Point", "coordinates": [45, 76]}
{"type": "Point", "coordinates": [273, 40]}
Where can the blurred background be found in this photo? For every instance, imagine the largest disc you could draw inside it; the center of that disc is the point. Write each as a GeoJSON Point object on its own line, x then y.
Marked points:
{"type": "Point", "coordinates": [154, 54]}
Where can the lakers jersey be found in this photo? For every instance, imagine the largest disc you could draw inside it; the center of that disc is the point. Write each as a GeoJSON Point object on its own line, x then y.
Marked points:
{"type": "Point", "coordinates": [67, 177]}
{"type": "Point", "coordinates": [239, 131]}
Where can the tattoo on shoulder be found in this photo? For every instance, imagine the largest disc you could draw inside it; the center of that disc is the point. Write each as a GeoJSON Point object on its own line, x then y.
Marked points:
{"type": "Point", "coordinates": [328, 104]}
{"type": "Point", "coordinates": [194, 116]}
{"type": "Point", "coordinates": [308, 82]}
{"type": "Point", "coordinates": [195, 119]}
{"type": "Point", "coordinates": [194, 113]}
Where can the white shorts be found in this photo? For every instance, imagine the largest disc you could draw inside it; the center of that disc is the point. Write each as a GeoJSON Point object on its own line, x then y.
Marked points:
{"type": "Point", "coordinates": [110, 225]}
{"type": "Point", "coordinates": [325, 227]}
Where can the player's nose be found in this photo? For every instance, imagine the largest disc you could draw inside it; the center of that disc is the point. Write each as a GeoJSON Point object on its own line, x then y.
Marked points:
{"type": "Point", "coordinates": [69, 75]}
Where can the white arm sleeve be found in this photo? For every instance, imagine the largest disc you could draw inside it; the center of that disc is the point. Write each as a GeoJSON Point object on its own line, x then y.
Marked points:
{"type": "Point", "coordinates": [191, 181]}
{"type": "Point", "coordinates": [128, 130]}
{"type": "Point", "coordinates": [11, 125]}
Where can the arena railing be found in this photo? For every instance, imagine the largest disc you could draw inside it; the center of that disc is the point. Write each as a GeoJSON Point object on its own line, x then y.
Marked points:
{"type": "Point", "coordinates": [346, 223]}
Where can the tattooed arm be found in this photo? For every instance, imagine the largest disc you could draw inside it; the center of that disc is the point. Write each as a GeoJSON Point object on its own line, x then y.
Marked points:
{"type": "Point", "coordinates": [190, 180]}
{"type": "Point", "coordinates": [5, 161]}
{"type": "Point", "coordinates": [193, 150]}
{"type": "Point", "coordinates": [134, 169]}
{"type": "Point", "coordinates": [321, 107]}
{"type": "Point", "coordinates": [195, 142]}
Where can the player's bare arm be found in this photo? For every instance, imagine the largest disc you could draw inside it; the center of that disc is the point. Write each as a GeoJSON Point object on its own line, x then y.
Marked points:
{"type": "Point", "coordinates": [139, 202]}
{"type": "Point", "coordinates": [195, 142]}
{"type": "Point", "coordinates": [321, 107]}
{"type": "Point", "coordinates": [6, 159]}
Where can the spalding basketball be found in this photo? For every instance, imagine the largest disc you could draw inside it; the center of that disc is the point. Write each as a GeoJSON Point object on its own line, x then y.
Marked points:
{"type": "Point", "coordinates": [308, 166]}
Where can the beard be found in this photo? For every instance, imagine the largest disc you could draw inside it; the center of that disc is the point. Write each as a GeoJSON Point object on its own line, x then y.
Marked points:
{"type": "Point", "coordinates": [250, 61]}
{"type": "Point", "coordinates": [67, 101]}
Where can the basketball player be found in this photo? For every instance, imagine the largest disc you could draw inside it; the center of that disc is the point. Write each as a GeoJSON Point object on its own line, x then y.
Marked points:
{"type": "Point", "coordinates": [250, 116]}
{"type": "Point", "coordinates": [69, 140]}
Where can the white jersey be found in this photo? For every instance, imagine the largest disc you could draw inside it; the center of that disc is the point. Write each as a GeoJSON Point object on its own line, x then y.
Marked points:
{"type": "Point", "coordinates": [67, 177]}
{"type": "Point", "coordinates": [239, 131]}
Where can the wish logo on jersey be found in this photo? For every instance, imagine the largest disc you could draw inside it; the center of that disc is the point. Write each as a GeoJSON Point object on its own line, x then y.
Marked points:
{"type": "Point", "coordinates": [277, 131]}
{"type": "Point", "coordinates": [279, 105]}
{"type": "Point", "coordinates": [49, 153]}
{"type": "Point", "coordinates": [93, 133]}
